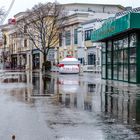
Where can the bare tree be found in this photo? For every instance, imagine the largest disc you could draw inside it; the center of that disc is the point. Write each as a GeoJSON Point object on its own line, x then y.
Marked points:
{"type": "Point", "coordinates": [43, 25]}
{"type": "Point", "coordinates": [2, 13]}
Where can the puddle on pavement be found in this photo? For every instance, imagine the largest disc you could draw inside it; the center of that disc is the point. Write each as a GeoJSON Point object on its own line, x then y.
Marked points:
{"type": "Point", "coordinates": [117, 108]}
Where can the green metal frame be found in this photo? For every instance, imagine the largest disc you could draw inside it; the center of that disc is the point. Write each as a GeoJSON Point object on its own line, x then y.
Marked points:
{"type": "Point", "coordinates": [138, 57]}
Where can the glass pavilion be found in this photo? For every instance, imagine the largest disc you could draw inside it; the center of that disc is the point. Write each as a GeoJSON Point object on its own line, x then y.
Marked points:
{"type": "Point", "coordinates": [120, 48]}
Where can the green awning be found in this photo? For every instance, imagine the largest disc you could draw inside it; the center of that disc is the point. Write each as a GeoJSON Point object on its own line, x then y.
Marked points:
{"type": "Point", "coordinates": [116, 26]}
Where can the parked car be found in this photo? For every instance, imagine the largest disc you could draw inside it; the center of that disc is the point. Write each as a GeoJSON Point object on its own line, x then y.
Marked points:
{"type": "Point", "coordinates": [69, 65]}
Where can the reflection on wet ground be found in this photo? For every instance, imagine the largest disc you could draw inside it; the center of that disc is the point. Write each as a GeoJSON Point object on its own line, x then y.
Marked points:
{"type": "Point", "coordinates": [77, 107]}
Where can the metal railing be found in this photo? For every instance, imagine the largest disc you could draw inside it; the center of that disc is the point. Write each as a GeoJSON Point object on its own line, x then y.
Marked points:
{"type": "Point", "coordinates": [85, 68]}
{"type": "Point", "coordinates": [91, 68]}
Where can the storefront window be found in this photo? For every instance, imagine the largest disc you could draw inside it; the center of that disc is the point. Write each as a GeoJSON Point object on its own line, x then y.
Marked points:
{"type": "Point", "coordinates": [115, 70]}
{"type": "Point", "coordinates": [115, 57]}
{"type": "Point", "coordinates": [103, 71]}
{"type": "Point", "coordinates": [103, 58]}
{"type": "Point", "coordinates": [120, 72]}
{"type": "Point", "coordinates": [109, 58]}
{"type": "Point", "coordinates": [125, 42]}
{"type": "Point", "coordinates": [125, 55]}
{"type": "Point", "coordinates": [109, 71]}
{"type": "Point", "coordinates": [115, 45]}
{"type": "Point", "coordinates": [132, 55]}
{"type": "Point", "coordinates": [103, 46]}
{"type": "Point", "coordinates": [132, 73]}
{"type": "Point", "coordinates": [120, 56]}
{"type": "Point", "coordinates": [109, 46]}
{"type": "Point", "coordinates": [125, 72]}
{"type": "Point", "coordinates": [120, 44]}
{"type": "Point", "coordinates": [133, 40]}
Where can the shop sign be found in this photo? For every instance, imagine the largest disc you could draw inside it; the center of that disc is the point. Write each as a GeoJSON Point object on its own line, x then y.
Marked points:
{"type": "Point", "coordinates": [116, 26]}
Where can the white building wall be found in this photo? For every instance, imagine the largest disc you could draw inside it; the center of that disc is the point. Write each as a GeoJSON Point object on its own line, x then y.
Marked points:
{"type": "Point", "coordinates": [95, 49]}
{"type": "Point", "coordinates": [80, 13]}
{"type": "Point", "coordinates": [80, 36]}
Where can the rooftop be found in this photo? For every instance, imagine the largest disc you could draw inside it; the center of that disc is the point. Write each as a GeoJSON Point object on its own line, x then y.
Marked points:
{"type": "Point", "coordinates": [117, 5]}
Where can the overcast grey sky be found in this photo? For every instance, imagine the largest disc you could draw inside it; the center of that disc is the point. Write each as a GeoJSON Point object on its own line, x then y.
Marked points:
{"type": "Point", "coordinates": [22, 5]}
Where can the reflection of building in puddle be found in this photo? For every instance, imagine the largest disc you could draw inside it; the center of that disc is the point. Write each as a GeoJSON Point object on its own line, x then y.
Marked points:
{"type": "Point", "coordinates": [21, 94]}
{"type": "Point", "coordinates": [17, 85]}
{"type": "Point", "coordinates": [68, 85]}
{"type": "Point", "coordinates": [42, 85]}
{"type": "Point", "coordinates": [13, 78]}
{"type": "Point", "coordinates": [91, 87]}
{"type": "Point", "coordinates": [49, 85]}
{"type": "Point", "coordinates": [82, 97]}
{"type": "Point", "coordinates": [119, 104]}
{"type": "Point", "coordinates": [93, 99]}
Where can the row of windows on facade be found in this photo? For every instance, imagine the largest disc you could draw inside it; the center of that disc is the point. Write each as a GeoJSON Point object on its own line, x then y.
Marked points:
{"type": "Point", "coordinates": [68, 35]}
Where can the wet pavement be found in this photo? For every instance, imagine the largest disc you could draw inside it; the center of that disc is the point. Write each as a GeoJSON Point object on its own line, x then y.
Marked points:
{"type": "Point", "coordinates": [67, 107]}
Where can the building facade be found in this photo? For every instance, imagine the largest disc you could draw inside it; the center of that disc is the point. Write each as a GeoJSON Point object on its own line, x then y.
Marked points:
{"type": "Point", "coordinates": [76, 40]}
{"type": "Point", "coordinates": [89, 53]}
{"type": "Point", "coordinates": [15, 48]}
{"type": "Point", "coordinates": [120, 39]}
{"type": "Point", "coordinates": [22, 54]}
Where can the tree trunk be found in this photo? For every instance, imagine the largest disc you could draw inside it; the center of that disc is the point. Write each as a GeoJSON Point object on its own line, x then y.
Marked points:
{"type": "Point", "coordinates": [44, 57]}
{"type": "Point", "coordinates": [44, 63]}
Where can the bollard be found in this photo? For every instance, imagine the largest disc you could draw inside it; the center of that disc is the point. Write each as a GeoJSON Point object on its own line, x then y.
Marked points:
{"type": "Point", "coordinates": [13, 137]}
